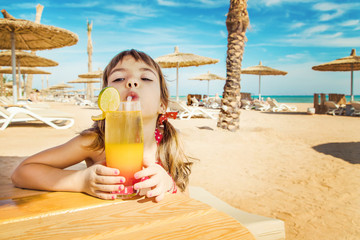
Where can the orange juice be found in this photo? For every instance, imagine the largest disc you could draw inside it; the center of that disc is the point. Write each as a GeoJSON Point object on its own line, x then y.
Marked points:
{"type": "Point", "coordinates": [127, 157]}
{"type": "Point", "coordinates": [124, 144]}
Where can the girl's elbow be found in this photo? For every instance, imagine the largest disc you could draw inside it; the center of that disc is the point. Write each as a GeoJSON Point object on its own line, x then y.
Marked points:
{"type": "Point", "coordinates": [15, 178]}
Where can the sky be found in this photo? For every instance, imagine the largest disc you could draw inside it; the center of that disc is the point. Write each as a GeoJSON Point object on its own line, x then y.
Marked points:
{"type": "Point", "coordinates": [289, 35]}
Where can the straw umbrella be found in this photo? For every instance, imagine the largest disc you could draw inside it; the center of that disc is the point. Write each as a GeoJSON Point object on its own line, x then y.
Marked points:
{"type": "Point", "coordinates": [207, 77]}
{"type": "Point", "coordinates": [178, 59]}
{"type": "Point", "coordinates": [27, 35]}
{"type": "Point", "coordinates": [262, 70]}
{"type": "Point", "coordinates": [24, 70]}
{"type": "Point", "coordinates": [92, 74]}
{"type": "Point", "coordinates": [346, 64]}
{"type": "Point", "coordinates": [26, 59]}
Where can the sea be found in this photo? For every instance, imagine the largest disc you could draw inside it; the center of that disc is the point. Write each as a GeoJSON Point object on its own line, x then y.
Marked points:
{"type": "Point", "coordinates": [284, 98]}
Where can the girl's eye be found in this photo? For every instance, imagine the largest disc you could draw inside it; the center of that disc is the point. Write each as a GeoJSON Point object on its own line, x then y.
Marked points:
{"type": "Point", "coordinates": [119, 79]}
{"type": "Point", "coordinates": [146, 79]}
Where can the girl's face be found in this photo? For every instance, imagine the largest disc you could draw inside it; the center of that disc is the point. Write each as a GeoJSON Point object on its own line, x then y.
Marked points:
{"type": "Point", "coordinates": [140, 81]}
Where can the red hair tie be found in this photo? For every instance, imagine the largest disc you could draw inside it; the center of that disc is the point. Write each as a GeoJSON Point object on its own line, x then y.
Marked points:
{"type": "Point", "coordinates": [166, 116]}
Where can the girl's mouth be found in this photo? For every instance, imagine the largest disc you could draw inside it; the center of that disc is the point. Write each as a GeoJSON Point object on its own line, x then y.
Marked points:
{"type": "Point", "coordinates": [134, 96]}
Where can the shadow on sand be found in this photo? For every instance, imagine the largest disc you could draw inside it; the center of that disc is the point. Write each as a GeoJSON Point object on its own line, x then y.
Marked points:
{"type": "Point", "coordinates": [348, 151]}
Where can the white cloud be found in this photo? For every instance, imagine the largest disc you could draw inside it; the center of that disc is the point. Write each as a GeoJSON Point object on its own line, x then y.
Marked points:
{"type": "Point", "coordinates": [86, 4]}
{"type": "Point", "coordinates": [350, 23]}
{"type": "Point", "coordinates": [168, 3]}
{"type": "Point", "coordinates": [323, 41]}
{"type": "Point", "coordinates": [315, 30]}
{"type": "Point", "coordinates": [194, 3]}
{"type": "Point", "coordinates": [223, 34]}
{"type": "Point", "coordinates": [134, 9]}
{"type": "Point", "coordinates": [297, 25]}
{"type": "Point", "coordinates": [337, 10]}
{"type": "Point", "coordinates": [327, 17]}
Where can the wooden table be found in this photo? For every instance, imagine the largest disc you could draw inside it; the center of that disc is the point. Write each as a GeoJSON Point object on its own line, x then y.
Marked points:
{"type": "Point", "coordinates": [26, 214]}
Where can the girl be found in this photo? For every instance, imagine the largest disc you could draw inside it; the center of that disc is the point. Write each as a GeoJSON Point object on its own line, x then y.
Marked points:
{"type": "Point", "coordinates": [166, 167]}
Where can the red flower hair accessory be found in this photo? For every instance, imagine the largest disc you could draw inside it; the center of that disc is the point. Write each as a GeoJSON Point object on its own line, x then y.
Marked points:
{"type": "Point", "coordinates": [166, 116]}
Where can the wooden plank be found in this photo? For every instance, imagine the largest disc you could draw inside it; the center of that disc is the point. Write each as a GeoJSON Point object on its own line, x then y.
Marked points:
{"type": "Point", "coordinates": [62, 215]}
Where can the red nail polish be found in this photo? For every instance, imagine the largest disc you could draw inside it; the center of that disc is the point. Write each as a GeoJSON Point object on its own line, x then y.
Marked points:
{"type": "Point", "coordinates": [116, 172]}
{"type": "Point", "coordinates": [113, 197]}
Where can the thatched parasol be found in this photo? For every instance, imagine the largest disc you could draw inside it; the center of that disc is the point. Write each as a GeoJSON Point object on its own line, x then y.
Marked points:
{"type": "Point", "coordinates": [93, 74]}
{"type": "Point", "coordinates": [178, 59]}
{"type": "Point", "coordinates": [207, 77]}
{"type": "Point", "coordinates": [84, 80]}
{"type": "Point", "coordinates": [346, 64]}
{"type": "Point", "coordinates": [25, 59]}
{"type": "Point", "coordinates": [25, 70]}
{"type": "Point", "coordinates": [60, 86]}
{"type": "Point", "coordinates": [262, 70]}
{"type": "Point", "coordinates": [27, 35]}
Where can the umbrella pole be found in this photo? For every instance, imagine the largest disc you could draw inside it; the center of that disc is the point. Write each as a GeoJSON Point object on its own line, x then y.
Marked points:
{"type": "Point", "coordinates": [13, 64]}
{"type": "Point", "coordinates": [259, 87]}
{"type": "Point", "coordinates": [177, 82]}
{"type": "Point", "coordinates": [208, 88]}
{"type": "Point", "coordinates": [352, 85]}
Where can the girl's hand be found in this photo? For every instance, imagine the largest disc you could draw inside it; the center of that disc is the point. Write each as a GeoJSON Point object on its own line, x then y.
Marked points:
{"type": "Point", "coordinates": [159, 181]}
{"type": "Point", "coordinates": [102, 182]}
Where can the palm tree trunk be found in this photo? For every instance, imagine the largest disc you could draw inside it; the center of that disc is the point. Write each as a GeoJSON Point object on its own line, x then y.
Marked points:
{"type": "Point", "coordinates": [237, 22]}
{"type": "Point", "coordinates": [29, 80]}
{"type": "Point", "coordinates": [89, 90]}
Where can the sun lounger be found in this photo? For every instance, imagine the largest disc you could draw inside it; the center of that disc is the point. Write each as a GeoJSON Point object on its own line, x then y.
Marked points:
{"type": "Point", "coordinates": [278, 107]}
{"type": "Point", "coordinates": [261, 106]}
{"type": "Point", "coordinates": [187, 112]}
{"type": "Point", "coordinates": [6, 102]}
{"type": "Point", "coordinates": [263, 228]}
{"type": "Point", "coordinates": [246, 104]}
{"type": "Point", "coordinates": [333, 108]}
{"type": "Point", "coordinates": [356, 106]}
{"type": "Point", "coordinates": [55, 119]}
{"type": "Point", "coordinates": [84, 102]}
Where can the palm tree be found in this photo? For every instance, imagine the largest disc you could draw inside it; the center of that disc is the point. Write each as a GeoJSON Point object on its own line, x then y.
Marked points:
{"type": "Point", "coordinates": [29, 80]}
{"type": "Point", "coordinates": [89, 91]}
{"type": "Point", "coordinates": [237, 22]}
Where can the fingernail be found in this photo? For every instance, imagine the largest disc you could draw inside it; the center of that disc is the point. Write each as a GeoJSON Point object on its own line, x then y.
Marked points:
{"type": "Point", "coordinates": [113, 197]}
{"type": "Point", "coordinates": [122, 180]}
{"type": "Point", "coordinates": [136, 176]}
{"type": "Point", "coordinates": [122, 187]}
{"type": "Point", "coordinates": [150, 194]}
{"type": "Point", "coordinates": [136, 187]}
{"type": "Point", "coordinates": [116, 172]}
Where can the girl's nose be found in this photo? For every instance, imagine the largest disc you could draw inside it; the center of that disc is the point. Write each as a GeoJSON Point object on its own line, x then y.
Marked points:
{"type": "Point", "coordinates": [132, 84]}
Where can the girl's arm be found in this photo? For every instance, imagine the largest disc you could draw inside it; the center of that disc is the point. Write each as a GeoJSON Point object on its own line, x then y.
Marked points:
{"type": "Point", "coordinates": [45, 171]}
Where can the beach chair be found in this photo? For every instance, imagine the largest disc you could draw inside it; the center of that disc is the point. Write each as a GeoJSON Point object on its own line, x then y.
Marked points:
{"type": "Point", "coordinates": [261, 106]}
{"type": "Point", "coordinates": [53, 118]}
{"type": "Point", "coordinates": [187, 112]}
{"type": "Point", "coordinates": [332, 108]}
{"type": "Point", "coordinates": [263, 228]}
{"type": "Point", "coordinates": [246, 104]}
{"type": "Point", "coordinates": [278, 107]}
{"type": "Point", "coordinates": [6, 102]}
{"type": "Point", "coordinates": [356, 106]}
{"type": "Point", "coordinates": [84, 102]}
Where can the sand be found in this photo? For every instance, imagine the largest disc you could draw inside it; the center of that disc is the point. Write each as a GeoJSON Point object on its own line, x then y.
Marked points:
{"type": "Point", "coordinates": [302, 169]}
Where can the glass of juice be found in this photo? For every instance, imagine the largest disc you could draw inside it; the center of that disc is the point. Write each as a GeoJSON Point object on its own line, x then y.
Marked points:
{"type": "Point", "coordinates": [124, 144]}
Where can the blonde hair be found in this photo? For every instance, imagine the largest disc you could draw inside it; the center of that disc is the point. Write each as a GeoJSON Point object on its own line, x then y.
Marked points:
{"type": "Point", "coordinates": [170, 150]}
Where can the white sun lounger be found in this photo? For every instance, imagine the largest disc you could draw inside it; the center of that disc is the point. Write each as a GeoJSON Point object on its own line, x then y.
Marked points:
{"type": "Point", "coordinates": [50, 117]}
{"type": "Point", "coordinates": [187, 112]}
{"type": "Point", "coordinates": [263, 228]}
{"type": "Point", "coordinates": [278, 107]}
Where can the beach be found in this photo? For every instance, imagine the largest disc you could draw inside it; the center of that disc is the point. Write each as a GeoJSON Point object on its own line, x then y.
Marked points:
{"type": "Point", "coordinates": [299, 168]}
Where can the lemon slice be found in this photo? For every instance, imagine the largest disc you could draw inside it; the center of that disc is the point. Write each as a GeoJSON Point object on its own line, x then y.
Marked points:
{"type": "Point", "coordinates": [98, 117]}
{"type": "Point", "coordinates": [109, 100]}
